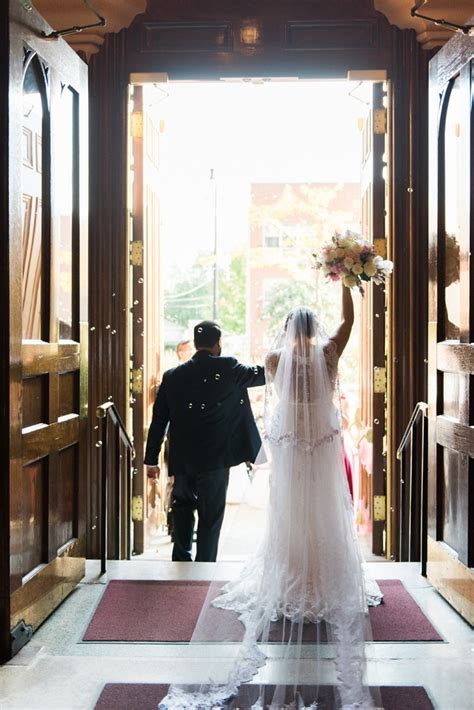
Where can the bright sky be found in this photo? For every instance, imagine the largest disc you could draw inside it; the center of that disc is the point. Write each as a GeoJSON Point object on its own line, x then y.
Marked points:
{"type": "Point", "coordinates": [298, 131]}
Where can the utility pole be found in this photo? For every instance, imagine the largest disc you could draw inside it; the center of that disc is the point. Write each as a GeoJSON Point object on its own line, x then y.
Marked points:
{"type": "Point", "coordinates": [214, 292]}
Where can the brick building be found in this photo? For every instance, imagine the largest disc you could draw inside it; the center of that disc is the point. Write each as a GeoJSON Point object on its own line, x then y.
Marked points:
{"type": "Point", "coordinates": [287, 223]}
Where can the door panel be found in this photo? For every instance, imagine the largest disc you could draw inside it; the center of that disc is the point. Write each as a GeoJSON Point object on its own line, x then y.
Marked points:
{"type": "Point", "coordinates": [451, 331]}
{"type": "Point", "coordinates": [146, 306]}
{"type": "Point", "coordinates": [48, 323]}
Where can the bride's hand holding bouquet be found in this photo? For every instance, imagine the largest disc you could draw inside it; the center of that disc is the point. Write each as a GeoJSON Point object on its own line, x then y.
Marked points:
{"type": "Point", "coordinates": [352, 260]}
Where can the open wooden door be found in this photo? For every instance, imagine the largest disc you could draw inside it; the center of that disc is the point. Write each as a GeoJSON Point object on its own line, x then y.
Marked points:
{"type": "Point", "coordinates": [146, 130]}
{"type": "Point", "coordinates": [451, 325]}
{"type": "Point", "coordinates": [373, 475]}
{"type": "Point", "coordinates": [45, 312]}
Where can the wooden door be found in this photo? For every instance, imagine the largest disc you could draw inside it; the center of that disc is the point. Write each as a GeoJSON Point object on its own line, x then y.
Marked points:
{"type": "Point", "coordinates": [451, 325]}
{"type": "Point", "coordinates": [46, 309]}
{"type": "Point", "coordinates": [146, 130]}
{"type": "Point", "coordinates": [373, 476]}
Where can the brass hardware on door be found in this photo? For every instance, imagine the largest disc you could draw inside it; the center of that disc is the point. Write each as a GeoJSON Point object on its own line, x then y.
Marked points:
{"type": "Point", "coordinates": [136, 124]}
{"type": "Point", "coordinates": [380, 380]}
{"type": "Point", "coordinates": [380, 121]}
{"type": "Point", "coordinates": [136, 253]}
{"type": "Point", "coordinates": [137, 508]}
{"type": "Point", "coordinates": [380, 247]}
{"type": "Point", "coordinates": [379, 508]}
{"type": "Point", "coordinates": [137, 380]}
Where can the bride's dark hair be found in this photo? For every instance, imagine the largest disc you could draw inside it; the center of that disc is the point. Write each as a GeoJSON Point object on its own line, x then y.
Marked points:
{"type": "Point", "coordinates": [304, 322]}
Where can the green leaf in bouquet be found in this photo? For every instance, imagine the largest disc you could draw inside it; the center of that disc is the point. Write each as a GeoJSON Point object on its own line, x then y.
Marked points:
{"type": "Point", "coordinates": [364, 277]}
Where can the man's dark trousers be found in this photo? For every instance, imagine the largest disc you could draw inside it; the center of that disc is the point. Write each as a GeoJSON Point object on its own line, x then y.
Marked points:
{"type": "Point", "coordinates": [206, 493]}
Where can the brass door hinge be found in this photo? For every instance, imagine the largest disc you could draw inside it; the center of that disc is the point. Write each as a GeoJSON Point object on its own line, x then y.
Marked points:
{"type": "Point", "coordinates": [379, 508]}
{"type": "Point", "coordinates": [380, 380]}
{"type": "Point", "coordinates": [137, 508]}
{"type": "Point", "coordinates": [380, 120]}
{"type": "Point", "coordinates": [136, 380]}
{"type": "Point", "coordinates": [136, 253]}
{"type": "Point", "coordinates": [136, 124]}
{"type": "Point", "coordinates": [381, 247]}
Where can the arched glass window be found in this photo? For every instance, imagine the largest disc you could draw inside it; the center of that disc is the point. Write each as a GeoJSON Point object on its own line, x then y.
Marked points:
{"type": "Point", "coordinates": [65, 197]}
{"type": "Point", "coordinates": [34, 105]}
{"type": "Point", "coordinates": [453, 211]}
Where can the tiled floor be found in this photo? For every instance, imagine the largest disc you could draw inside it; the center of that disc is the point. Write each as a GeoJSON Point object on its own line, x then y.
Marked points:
{"type": "Point", "coordinates": [56, 670]}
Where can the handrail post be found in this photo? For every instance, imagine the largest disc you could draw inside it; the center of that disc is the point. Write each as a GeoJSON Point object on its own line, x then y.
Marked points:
{"type": "Point", "coordinates": [118, 494]}
{"type": "Point", "coordinates": [122, 487]}
{"type": "Point", "coordinates": [103, 551]}
{"type": "Point", "coordinates": [400, 512]}
{"type": "Point", "coordinates": [411, 497]}
{"type": "Point", "coordinates": [129, 504]}
{"type": "Point", "coordinates": [424, 500]}
{"type": "Point", "coordinates": [410, 500]}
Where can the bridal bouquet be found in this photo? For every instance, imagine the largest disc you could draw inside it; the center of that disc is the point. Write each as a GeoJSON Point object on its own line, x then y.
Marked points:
{"type": "Point", "coordinates": [353, 260]}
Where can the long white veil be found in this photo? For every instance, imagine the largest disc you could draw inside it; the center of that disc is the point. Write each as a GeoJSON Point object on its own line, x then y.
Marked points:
{"type": "Point", "coordinates": [301, 597]}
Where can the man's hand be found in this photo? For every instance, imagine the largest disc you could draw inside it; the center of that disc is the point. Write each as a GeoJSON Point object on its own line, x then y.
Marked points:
{"type": "Point", "coordinates": [153, 472]}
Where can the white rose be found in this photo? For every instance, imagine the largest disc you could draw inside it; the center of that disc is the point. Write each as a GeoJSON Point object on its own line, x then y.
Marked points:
{"type": "Point", "coordinates": [348, 262]}
{"type": "Point", "coordinates": [378, 261]}
{"type": "Point", "coordinates": [349, 281]}
{"type": "Point", "coordinates": [357, 269]}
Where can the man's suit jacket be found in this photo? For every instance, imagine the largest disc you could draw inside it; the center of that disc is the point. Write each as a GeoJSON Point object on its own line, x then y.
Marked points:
{"type": "Point", "coordinates": [206, 404]}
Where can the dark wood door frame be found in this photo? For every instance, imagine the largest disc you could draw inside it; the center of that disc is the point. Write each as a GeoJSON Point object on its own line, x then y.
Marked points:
{"type": "Point", "coordinates": [5, 448]}
{"type": "Point", "coordinates": [216, 40]}
{"type": "Point", "coordinates": [373, 336]}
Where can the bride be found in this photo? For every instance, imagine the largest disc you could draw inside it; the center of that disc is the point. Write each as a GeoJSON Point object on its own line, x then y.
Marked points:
{"type": "Point", "coordinates": [305, 584]}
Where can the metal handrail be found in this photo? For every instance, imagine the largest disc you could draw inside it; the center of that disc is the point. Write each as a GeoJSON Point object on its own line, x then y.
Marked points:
{"type": "Point", "coordinates": [420, 411]}
{"type": "Point", "coordinates": [104, 412]}
{"type": "Point", "coordinates": [421, 408]}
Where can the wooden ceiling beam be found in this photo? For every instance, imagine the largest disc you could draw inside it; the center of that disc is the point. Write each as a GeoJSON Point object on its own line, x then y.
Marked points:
{"type": "Point", "coordinates": [120, 13]}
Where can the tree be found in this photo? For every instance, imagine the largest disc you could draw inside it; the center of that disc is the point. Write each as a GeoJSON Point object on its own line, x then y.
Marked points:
{"type": "Point", "coordinates": [190, 298]}
{"type": "Point", "coordinates": [282, 298]}
{"type": "Point", "coordinates": [232, 302]}
{"type": "Point", "coordinates": [304, 216]}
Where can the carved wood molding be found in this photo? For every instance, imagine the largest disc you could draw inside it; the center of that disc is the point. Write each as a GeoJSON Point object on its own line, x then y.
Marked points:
{"type": "Point", "coordinates": [427, 33]}
{"type": "Point", "coordinates": [118, 14]}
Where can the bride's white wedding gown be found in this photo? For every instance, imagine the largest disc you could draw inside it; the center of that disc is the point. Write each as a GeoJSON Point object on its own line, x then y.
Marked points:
{"type": "Point", "coordinates": [306, 581]}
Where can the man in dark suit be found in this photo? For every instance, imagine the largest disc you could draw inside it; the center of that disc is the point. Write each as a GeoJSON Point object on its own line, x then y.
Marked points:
{"type": "Point", "coordinates": [211, 427]}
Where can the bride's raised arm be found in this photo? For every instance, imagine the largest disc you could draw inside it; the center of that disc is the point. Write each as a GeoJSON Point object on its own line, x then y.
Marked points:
{"type": "Point", "coordinates": [341, 336]}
